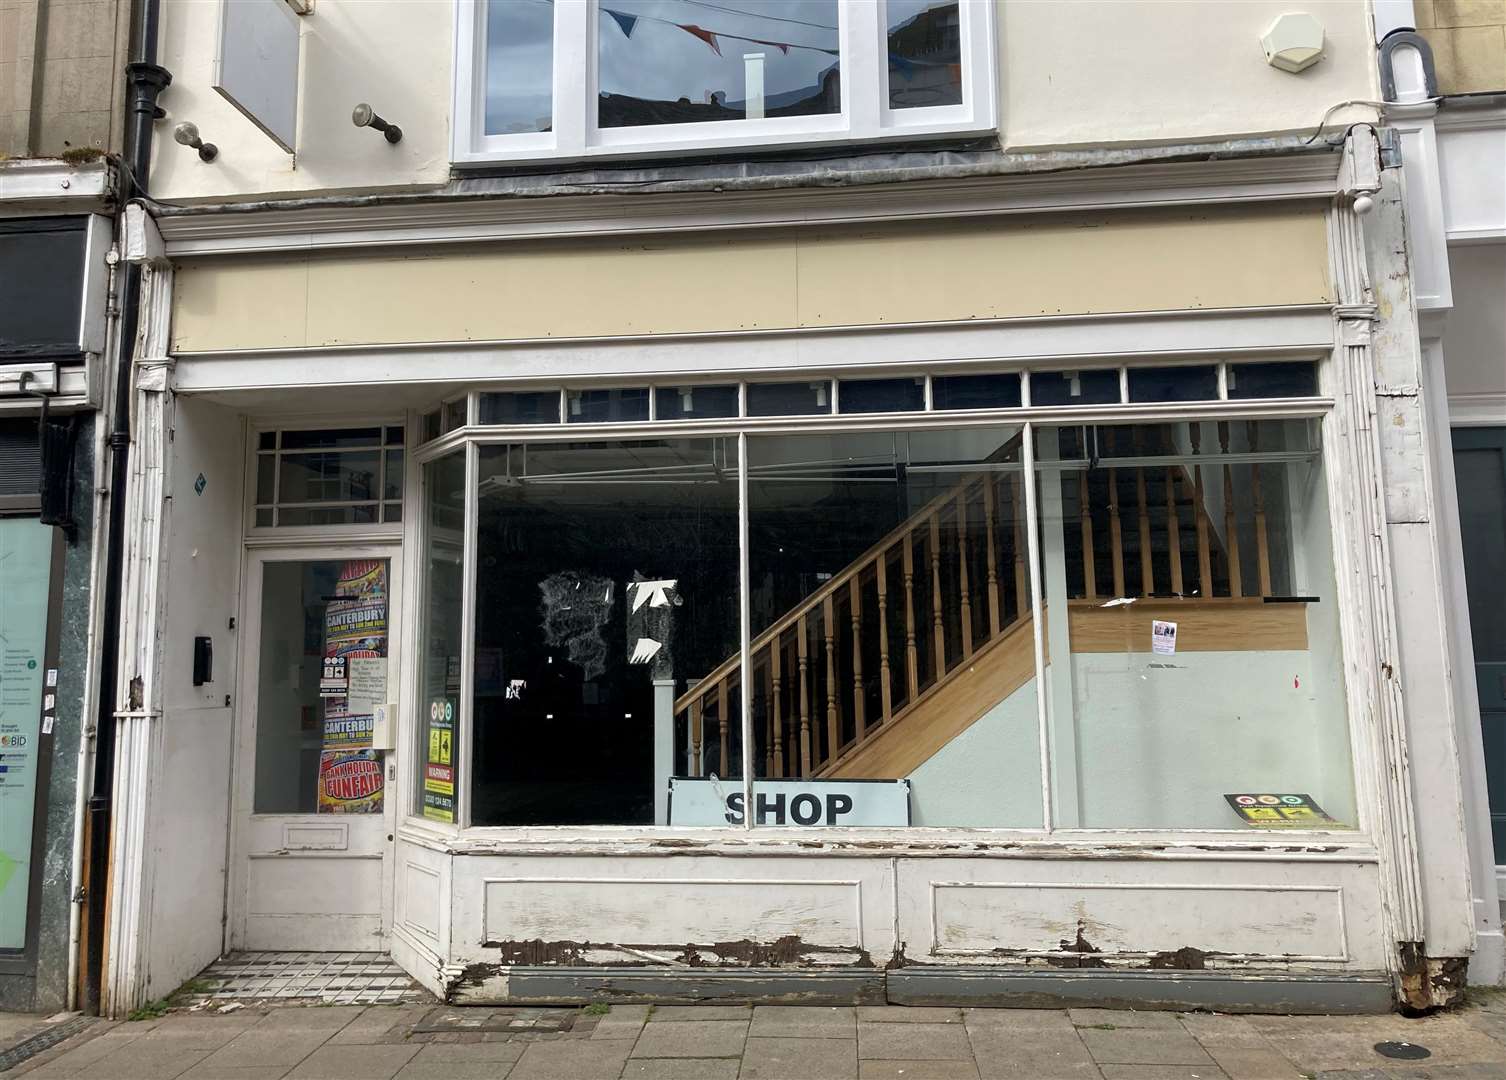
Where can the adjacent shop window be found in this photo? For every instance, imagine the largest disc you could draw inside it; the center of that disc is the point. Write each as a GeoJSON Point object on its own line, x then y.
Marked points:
{"type": "Point", "coordinates": [26, 552]}
{"type": "Point", "coordinates": [1193, 632]}
{"type": "Point", "coordinates": [682, 74]}
{"type": "Point", "coordinates": [606, 583]}
{"type": "Point", "coordinates": [325, 626]}
{"type": "Point", "coordinates": [331, 476]}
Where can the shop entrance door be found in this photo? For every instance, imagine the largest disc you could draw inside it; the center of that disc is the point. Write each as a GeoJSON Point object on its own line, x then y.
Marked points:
{"type": "Point", "coordinates": [315, 778]}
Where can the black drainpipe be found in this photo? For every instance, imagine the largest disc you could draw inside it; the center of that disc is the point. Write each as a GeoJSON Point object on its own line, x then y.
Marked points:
{"type": "Point", "coordinates": [144, 81]}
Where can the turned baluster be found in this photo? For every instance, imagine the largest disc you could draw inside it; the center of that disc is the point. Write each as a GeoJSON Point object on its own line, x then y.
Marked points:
{"type": "Point", "coordinates": [1262, 547]}
{"type": "Point", "coordinates": [1147, 569]}
{"type": "Point", "coordinates": [912, 665]}
{"type": "Point", "coordinates": [1016, 509]}
{"type": "Point", "coordinates": [1231, 525]}
{"type": "Point", "coordinates": [855, 609]}
{"type": "Point", "coordinates": [886, 692]}
{"type": "Point", "coordinates": [695, 735]}
{"type": "Point", "coordinates": [1204, 556]}
{"type": "Point", "coordinates": [1173, 531]}
{"type": "Point", "coordinates": [989, 521]}
{"type": "Point", "coordinates": [967, 604]}
{"type": "Point", "coordinates": [938, 629]}
{"type": "Point", "coordinates": [833, 722]}
{"type": "Point", "coordinates": [1116, 527]}
{"type": "Point", "coordinates": [726, 732]}
{"type": "Point", "coordinates": [803, 655]}
{"type": "Point", "coordinates": [1089, 571]}
{"type": "Point", "coordinates": [775, 706]}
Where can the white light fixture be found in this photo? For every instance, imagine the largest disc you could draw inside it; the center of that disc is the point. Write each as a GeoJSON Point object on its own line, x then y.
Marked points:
{"type": "Point", "coordinates": [1294, 42]}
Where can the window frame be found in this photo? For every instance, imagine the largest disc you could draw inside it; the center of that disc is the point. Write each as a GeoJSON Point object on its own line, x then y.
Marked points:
{"type": "Point", "coordinates": [865, 115]}
{"type": "Point", "coordinates": [1319, 408]}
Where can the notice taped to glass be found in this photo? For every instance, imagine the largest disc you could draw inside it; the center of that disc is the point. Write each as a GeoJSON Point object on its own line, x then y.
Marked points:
{"type": "Point", "coordinates": [1267, 810]}
{"type": "Point", "coordinates": [350, 782]}
{"type": "Point", "coordinates": [439, 763]}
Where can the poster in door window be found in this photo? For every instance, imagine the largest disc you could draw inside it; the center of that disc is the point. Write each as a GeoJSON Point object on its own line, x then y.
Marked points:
{"type": "Point", "coordinates": [350, 782]}
{"type": "Point", "coordinates": [440, 760]}
{"type": "Point", "coordinates": [355, 642]}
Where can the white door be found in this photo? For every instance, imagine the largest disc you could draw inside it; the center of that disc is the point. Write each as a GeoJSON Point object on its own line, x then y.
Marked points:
{"type": "Point", "coordinates": [316, 801]}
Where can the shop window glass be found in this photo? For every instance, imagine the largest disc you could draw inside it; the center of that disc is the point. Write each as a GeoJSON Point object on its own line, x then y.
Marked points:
{"type": "Point", "coordinates": [1196, 382]}
{"type": "Point", "coordinates": [1195, 668]}
{"type": "Point", "coordinates": [881, 395]}
{"type": "Point", "coordinates": [680, 62]}
{"type": "Point", "coordinates": [1274, 380]}
{"type": "Point", "coordinates": [695, 402]}
{"type": "Point", "coordinates": [975, 392]}
{"type": "Point", "coordinates": [789, 398]}
{"type": "Point", "coordinates": [892, 659]}
{"type": "Point", "coordinates": [616, 406]}
{"type": "Point", "coordinates": [454, 414]}
{"type": "Point", "coordinates": [606, 584]}
{"type": "Point", "coordinates": [337, 476]}
{"type": "Point", "coordinates": [439, 724]}
{"type": "Point", "coordinates": [520, 66]}
{"type": "Point", "coordinates": [1074, 387]}
{"type": "Point", "coordinates": [521, 407]}
{"type": "Point", "coordinates": [925, 54]}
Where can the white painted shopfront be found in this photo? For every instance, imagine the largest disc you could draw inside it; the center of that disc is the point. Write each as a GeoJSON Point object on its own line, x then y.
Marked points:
{"type": "Point", "coordinates": [824, 461]}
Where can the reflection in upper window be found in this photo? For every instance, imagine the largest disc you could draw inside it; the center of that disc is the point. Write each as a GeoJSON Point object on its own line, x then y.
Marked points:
{"type": "Point", "coordinates": [685, 62]}
{"type": "Point", "coordinates": [519, 66]}
{"type": "Point", "coordinates": [925, 54]}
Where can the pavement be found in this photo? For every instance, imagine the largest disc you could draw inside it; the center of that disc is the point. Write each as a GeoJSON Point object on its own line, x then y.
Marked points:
{"type": "Point", "coordinates": [776, 1042]}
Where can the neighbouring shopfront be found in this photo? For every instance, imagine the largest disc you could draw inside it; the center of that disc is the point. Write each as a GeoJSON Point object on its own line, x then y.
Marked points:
{"type": "Point", "coordinates": [920, 611]}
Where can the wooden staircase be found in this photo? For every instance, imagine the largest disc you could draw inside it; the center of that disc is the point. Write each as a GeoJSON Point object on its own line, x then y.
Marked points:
{"type": "Point", "coordinates": [925, 632]}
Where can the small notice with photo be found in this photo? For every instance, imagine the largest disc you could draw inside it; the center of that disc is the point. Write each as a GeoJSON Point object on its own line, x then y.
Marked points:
{"type": "Point", "coordinates": [1163, 637]}
{"type": "Point", "coordinates": [1268, 810]}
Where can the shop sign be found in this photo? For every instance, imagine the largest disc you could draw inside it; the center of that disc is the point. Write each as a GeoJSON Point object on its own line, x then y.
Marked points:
{"type": "Point", "coordinates": [696, 801]}
{"type": "Point", "coordinates": [350, 782]}
{"type": "Point", "coordinates": [1267, 810]}
{"type": "Point", "coordinates": [439, 763]}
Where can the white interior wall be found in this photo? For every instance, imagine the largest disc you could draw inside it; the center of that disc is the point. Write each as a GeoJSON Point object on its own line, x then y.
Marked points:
{"type": "Point", "coordinates": [988, 777]}
{"type": "Point", "coordinates": [190, 805]}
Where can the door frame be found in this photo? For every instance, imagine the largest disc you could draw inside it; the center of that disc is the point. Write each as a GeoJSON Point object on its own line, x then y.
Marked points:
{"type": "Point", "coordinates": [248, 674]}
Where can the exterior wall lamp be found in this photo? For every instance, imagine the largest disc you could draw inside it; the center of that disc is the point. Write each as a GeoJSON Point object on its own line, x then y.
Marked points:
{"type": "Point", "coordinates": [187, 134]}
{"type": "Point", "coordinates": [365, 116]}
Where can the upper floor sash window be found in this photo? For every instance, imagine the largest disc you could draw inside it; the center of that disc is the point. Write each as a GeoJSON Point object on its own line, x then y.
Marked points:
{"type": "Point", "coordinates": [571, 79]}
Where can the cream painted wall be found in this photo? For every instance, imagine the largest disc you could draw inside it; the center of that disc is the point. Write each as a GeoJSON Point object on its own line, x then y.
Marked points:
{"type": "Point", "coordinates": [1107, 72]}
{"type": "Point", "coordinates": [925, 272]}
{"type": "Point", "coordinates": [1079, 73]}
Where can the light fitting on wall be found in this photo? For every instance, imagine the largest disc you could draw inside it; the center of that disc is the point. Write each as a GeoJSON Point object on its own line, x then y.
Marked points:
{"type": "Point", "coordinates": [187, 134]}
{"type": "Point", "coordinates": [365, 116]}
{"type": "Point", "coordinates": [1294, 42]}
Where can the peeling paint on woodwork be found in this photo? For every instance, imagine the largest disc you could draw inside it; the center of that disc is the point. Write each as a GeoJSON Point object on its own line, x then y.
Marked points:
{"type": "Point", "coordinates": [787, 951]}
{"type": "Point", "coordinates": [1424, 982]}
{"type": "Point", "coordinates": [1186, 958]}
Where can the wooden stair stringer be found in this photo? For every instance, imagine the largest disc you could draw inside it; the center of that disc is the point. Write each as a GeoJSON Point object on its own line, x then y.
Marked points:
{"type": "Point", "coordinates": [944, 711]}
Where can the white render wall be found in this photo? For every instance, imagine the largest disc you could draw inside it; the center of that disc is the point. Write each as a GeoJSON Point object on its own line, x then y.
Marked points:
{"type": "Point", "coordinates": [1099, 73]}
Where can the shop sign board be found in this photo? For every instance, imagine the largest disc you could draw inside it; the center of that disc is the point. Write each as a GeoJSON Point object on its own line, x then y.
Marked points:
{"type": "Point", "coordinates": [25, 571]}
{"type": "Point", "coordinates": [706, 801]}
{"type": "Point", "coordinates": [439, 760]}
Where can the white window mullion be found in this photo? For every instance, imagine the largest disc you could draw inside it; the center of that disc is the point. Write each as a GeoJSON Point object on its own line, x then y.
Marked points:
{"type": "Point", "coordinates": [574, 75]}
{"type": "Point", "coordinates": [863, 43]}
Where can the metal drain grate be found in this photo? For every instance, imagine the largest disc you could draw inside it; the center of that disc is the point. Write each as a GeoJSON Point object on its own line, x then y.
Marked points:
{"type": "Point", "coordinates": [27, 1049]}
{"type": "Point", "coordinates": [350, 978]}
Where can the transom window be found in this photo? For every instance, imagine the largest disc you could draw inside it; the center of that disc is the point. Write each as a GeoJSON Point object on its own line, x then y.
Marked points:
{"type": "Point", "coordinates": [329, 476]}
{"type": "Point", "coordinates": [580, 78]}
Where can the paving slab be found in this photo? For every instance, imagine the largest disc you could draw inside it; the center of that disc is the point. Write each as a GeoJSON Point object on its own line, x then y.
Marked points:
{"type": "Point", "coordinates": [207, 1071]}
{"type": "Point", "coordinates": [1221, 1029]}
{"type": "Point", "coordinates": [261, 1048]}
{"type": "Point", "coordinates": [1333, 1043]}
{"type": "Point", "coordinates": [136, 1062]}
{"type": "Point", "coordinates": [1018, 1019]}
{"type": "Point", "coordinates": [353, 1063]}
{"type": "Point", "coordinates": [329, 1018]}
{"type": "Point", "coordinates": [1125, 1018]}
{"type": "Point", "coordinates": [494, 1052]}
{"type": "Point", "coordinates": [380, 1024]}
{"type": "Point", "coordinates": [804, 1021]}
{"type": "Point", "coordinates": [681, 1069]}
{"type": "Point", "coordinates": [1002, 1054]}
{"type": "Point", "coordinates": [917, 1070]}
{"type": "Point", "coordinates": [908, 1014]}
{"type": "Point", "coordinates": [800, 1059]}
{"type": "Point", "coordinates": [913, 1041]}
{"type": "Point", "coordinates": [700, 1012]}
{"type": "Point", "coordinates": [1142, 1046]}
{"type": "Point", "coordinates": [454, 1070]}
{"type": "Point", "coordinates": [1252, 1063]}
{"type": "Point", "coordinates": [578, 1059]}
{"type": "Point", "coordinates": [1162, 1072]}
{"type": "Point", "coordinates": [691, 1039]}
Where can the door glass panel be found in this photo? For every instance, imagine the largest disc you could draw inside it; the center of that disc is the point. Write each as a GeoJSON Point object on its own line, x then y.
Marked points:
{"type": "Point", "coordinates": [323, 670]}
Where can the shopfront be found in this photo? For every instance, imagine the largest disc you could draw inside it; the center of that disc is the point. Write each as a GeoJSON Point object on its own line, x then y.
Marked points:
{"type": "Point", "coordinates": [918, 611]}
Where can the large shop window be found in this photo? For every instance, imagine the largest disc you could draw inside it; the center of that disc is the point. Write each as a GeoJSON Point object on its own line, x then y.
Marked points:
{"type": "Point", "coordinates": [575, 78]}
{"type": "Point", "coordinates": [1176, 665]}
